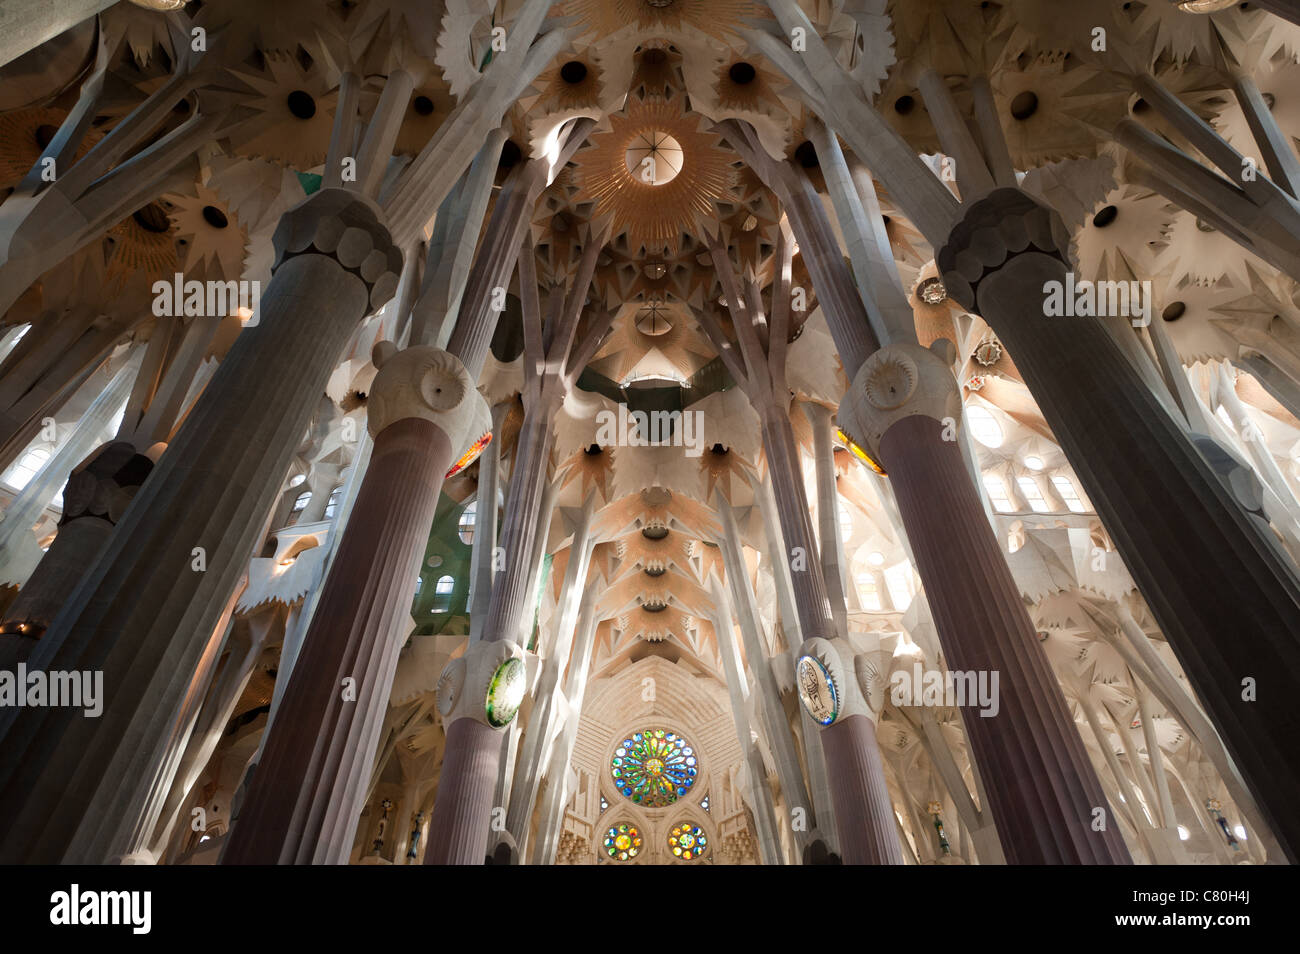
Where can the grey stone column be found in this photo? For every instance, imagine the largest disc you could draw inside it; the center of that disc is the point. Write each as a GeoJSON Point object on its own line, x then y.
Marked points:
{"type": "Point", "coordinates": [541, 724]}
{"type": "Point", "coordinates": [29, 23]}
{"type": "Point", "coordinates": [738, 691]}
{"type": "Point", "coordinates": [819, 786]}
{"type": "Point", "coordinates": [485, 527]}
{"type": "Point", "coordinates": [26, 508]}
{"type": "Point", "coordinates": [1199, 559]}
{"type": "Point", "coordinates": [97, 494]}
{"type": "Point", "coordinates": [829, 545]}
{"type": "Point", "coordinates": [148, 605]}
{"type": "Point", "coordinates": [769, 695]}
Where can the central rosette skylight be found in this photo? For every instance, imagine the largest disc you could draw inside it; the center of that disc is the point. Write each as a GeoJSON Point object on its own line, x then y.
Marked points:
{"type": "Point", "coordinates": [654, 158]}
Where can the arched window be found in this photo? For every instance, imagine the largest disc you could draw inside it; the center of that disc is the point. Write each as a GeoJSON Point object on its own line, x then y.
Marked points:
{"type": "Point", "coordinates": [984, 427]}
{"type": "Point", "coordinates": [468, 520]}
{"type": "Point", "coordinates": [901, 583]}
{"type": "Point", "coordinates": [997, 491]}
{"type": "Point", "coordinates": [331, 505]}
{"type": "Point", "coordinates": [22, 472]}
{"type": "Point", "coordinates": [1065, 490]}
{"type": "Point", "coordinates": [442, 591]}
{"type": "Point", "coordinates": [301, 503]}
{"type": "Point", "coordinates": [868, 592]}
{"type": "Point", "coordinates": [846, 522]}
{"type": "Point", "coordinates": [1033, 494]}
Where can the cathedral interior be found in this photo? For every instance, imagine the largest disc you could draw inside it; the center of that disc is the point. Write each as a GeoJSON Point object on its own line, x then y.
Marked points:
{"type": "Point", "coordinates": [649, 432]}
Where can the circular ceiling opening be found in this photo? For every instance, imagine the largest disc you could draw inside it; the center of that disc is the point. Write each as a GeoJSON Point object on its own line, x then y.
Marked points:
{"type": "Point", "coordinates": [301, 104]}
{"type": "Point", "coordinates": [573, 72]}
{"type": "Point", "coordinates": [653, 320]}
{"type": "Point", "coordinates": [215, 217]}
{"type": "Point", "coordinates": [1024, 105]}
{"type": "Point", "coordinates": [1105, 216]}
{"type": "Point", "coordinates": [152, 218]}
{"type": "Point", "coordinates": [742, 74]}
{"type": "Point", "coordinates": [1175, 311]}
{"type": "Point", "coordinates": [806, 155]}
{"type": "Point", "coordinates": [422, 105]}
{"type": "Point", "coordinates": [654, 158]}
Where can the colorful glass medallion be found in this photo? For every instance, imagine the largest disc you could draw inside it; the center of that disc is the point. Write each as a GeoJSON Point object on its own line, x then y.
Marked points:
{"type": "Point", "coordinates": [506, 692]}
{"type": "Point", "coordinates": [623, 842]}
{"type": "Point", "coordinates": [687, 841]}
{"type": "Point", "coordinates": [817, 690]}
{"type": "Point", "coordinates": [470, 455]}
{"type": "Point", "coordinates": [654, 768]}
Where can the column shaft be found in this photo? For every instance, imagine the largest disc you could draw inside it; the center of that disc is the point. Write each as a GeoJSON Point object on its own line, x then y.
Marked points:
{"type": "Point", "coordinates": [145, 611]}
{"type": "Point", "coordinates": [307, 791]}
{"type": "Point", "coordinates": [1042, 786]}
{"type": "Point", "coordinates": [1201, 564]}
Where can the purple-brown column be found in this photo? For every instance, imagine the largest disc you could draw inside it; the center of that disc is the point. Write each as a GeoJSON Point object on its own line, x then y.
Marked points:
{"type": "Point", "coordinates": [1225, 595]}
{"type": "Point", "coordinates": [864, 814]}
{"type": "Point", "coordinates": [904, 406]}
{"type": "Point", "coordinates": [307, 791]}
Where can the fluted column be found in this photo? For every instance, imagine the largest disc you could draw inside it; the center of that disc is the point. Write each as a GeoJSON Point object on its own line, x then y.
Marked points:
{"type": "Point", "coordinates": [462, 814]}
{"type": "Point", "coordinates": [97, 494]}
{"type": "Point", "coordinates": [764, 810]}
{"type": "Point", "coordinates": [819, 786]}
{"type": "Point", "coordinates": [863, 813]}
{"type": "Point", "coordinates": [149, 603]}
{"type": "Point", "coordinates": [1201, 563]}
{"type": "Point", "coordinates": [310, 783]}
{"type": "Point", "coordinates": [1042, 786]}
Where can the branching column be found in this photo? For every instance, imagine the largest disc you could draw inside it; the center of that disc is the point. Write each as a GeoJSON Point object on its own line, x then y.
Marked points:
{"type": "Point", "coordinates": [860, 796]}
{"type": "Point", "coordinates": [553, 359]}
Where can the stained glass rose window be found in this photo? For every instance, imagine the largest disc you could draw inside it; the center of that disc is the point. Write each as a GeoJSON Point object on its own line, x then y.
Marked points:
{"type": "Point", "coordinates": [687, 841]}
{"type": "Point", "coordinates": [654, 767]}
{"type": "Point", "coordinates": [623, 842]}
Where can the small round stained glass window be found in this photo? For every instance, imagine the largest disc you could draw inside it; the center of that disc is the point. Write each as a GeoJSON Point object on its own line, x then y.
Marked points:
{"type": "Point", "coordinates": [687, 841]}
{"type": "Point", "coordinates": [654, 767]}
{"type": "Point", "coordinates": [623, 842]}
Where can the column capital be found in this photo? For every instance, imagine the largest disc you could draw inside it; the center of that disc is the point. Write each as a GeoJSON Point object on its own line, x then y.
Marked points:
{"type": "Point", "coordinates": [898, 381]}
{"type": "Point", "coordinates": [1003, 224]}
{"type": "Point", "coordinates": [103, 485]}
{"type": "Point", "coordinates": [348, 228]}
{"type": "Point", "coordinates": [432, 385]}
{"type": "Point", "coordinates": [487, 684]}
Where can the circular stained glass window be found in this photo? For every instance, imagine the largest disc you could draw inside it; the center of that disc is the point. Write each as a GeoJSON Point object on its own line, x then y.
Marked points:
{"type": "Point", "coordinates": [623, 842]}
{"type": "Point", "coordinates": [654, 768]}
{"type": "Point", "coordinates": [687, 841]}
{"type": "Point", "coordinates": [506, 692]}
